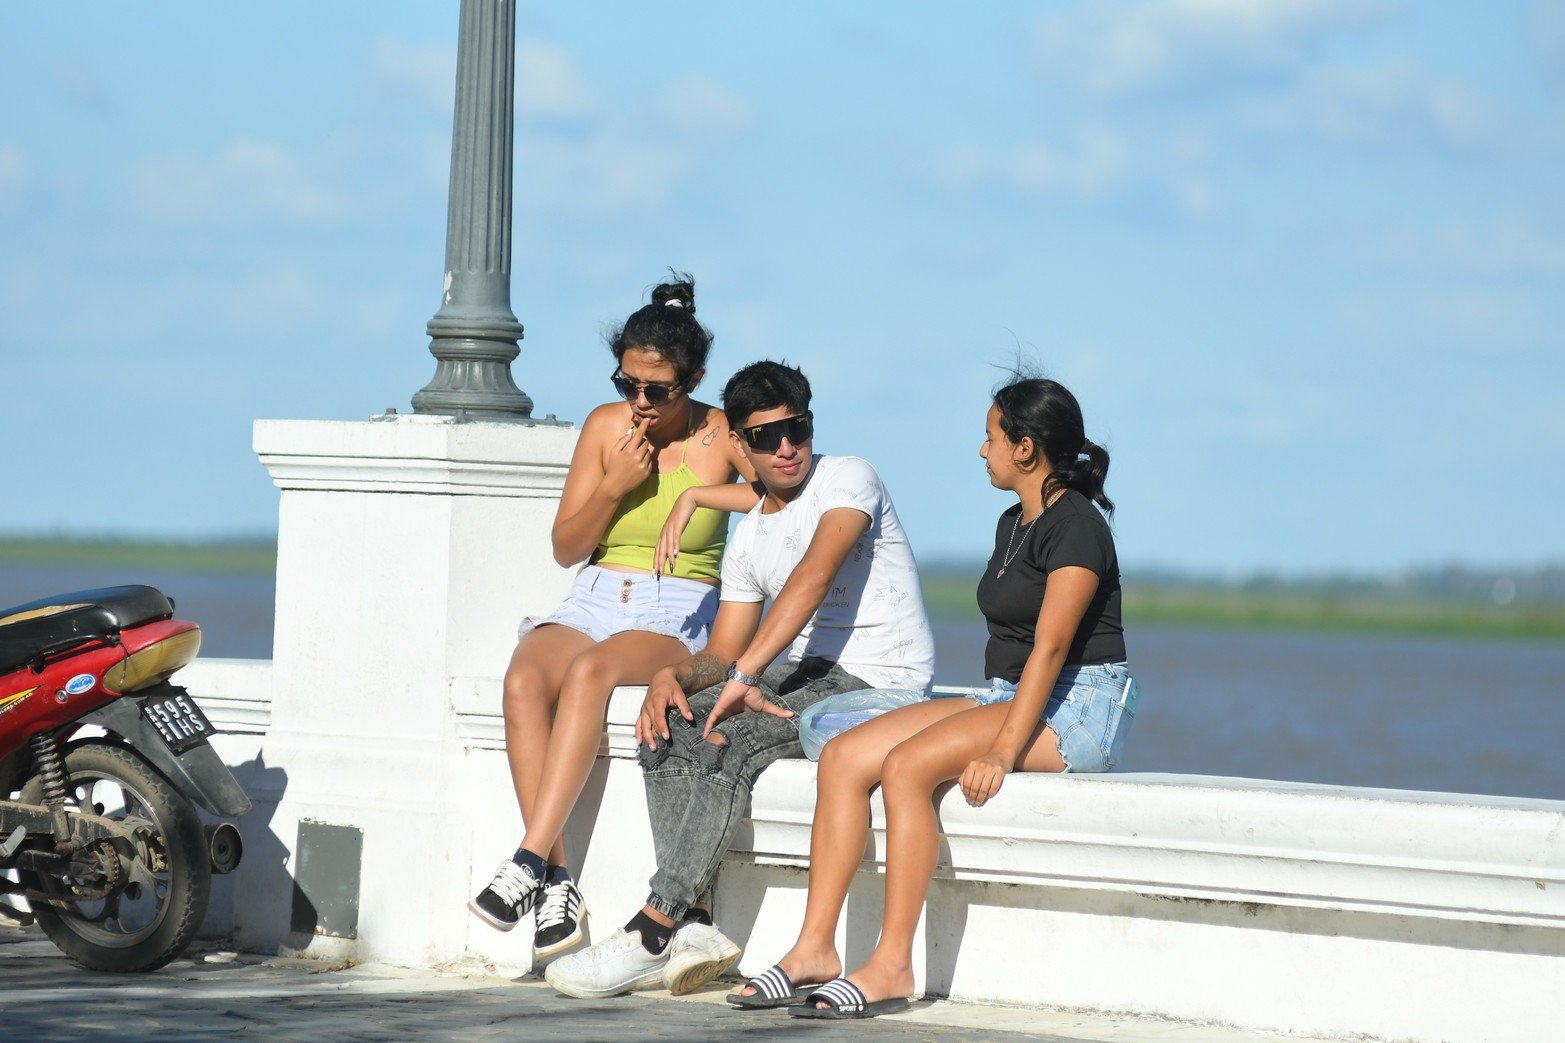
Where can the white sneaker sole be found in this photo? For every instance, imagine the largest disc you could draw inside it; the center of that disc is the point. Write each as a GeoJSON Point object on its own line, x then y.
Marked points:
{"type": "Point", "coordinates": [499, 925]}
{"type": "Point", "coordinates": [688, 977]}
{"type": "Point", "coordinates": [649, 980]}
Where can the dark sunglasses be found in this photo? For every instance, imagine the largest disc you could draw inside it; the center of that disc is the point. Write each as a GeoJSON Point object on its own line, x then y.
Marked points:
{"type": "Point", "coordinates": [656, 394]}
{"type": "Point", "coordinates": [768, 438]}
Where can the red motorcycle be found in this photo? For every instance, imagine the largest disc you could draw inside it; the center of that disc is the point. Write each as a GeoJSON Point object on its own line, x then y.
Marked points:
{"type": "Point", "coordinates": [102, 762]}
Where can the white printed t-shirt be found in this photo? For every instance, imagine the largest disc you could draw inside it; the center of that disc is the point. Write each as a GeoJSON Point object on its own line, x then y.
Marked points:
{"type": "Point", "coordinates": [872, 620]}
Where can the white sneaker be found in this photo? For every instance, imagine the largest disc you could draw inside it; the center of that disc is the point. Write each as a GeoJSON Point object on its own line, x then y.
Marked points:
{"type": "Point", "coordinates": [697, 954]}
{"type": "Point", "coordinates": [616, 965]}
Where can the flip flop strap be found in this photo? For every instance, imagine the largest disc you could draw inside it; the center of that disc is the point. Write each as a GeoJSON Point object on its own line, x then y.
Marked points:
{"type": "Point", "coordinates": [774, 984]}
{"type": "Point", "coordinates": [842, 994]}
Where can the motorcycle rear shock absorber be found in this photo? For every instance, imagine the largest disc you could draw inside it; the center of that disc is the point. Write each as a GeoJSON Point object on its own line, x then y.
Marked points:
{"type": "Point", "coordinates": [51, 772]}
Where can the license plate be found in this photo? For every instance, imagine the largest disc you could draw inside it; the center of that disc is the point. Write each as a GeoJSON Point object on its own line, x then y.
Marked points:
{"type": "Point", "coordinates": [179, 721]}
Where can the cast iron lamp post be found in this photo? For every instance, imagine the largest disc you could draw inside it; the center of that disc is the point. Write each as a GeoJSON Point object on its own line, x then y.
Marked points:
{"type": "Point", "coordinates": [474, 334]}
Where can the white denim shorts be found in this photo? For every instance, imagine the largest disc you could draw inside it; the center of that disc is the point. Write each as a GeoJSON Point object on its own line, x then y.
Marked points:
{"type": "Point", "coordinates": [603, 603]}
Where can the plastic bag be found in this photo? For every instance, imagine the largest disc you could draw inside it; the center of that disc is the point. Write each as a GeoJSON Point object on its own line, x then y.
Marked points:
{"type": "Point", "coordinates": [835, 714]}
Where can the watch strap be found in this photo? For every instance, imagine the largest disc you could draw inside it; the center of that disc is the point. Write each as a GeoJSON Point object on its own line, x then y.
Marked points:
{"type": "Point", "coordinates": [736, 674]}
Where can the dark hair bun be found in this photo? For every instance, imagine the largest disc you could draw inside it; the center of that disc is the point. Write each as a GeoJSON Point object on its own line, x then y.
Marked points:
{"type": "Point", "coordinates": [681, 294]}
{"type": "Point", "coordinates": [667, 326]}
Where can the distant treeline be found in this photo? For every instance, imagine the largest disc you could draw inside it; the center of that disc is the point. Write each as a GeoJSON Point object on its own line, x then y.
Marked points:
{"type": "Point", "coordinates": [251, 555]}
{"type": "Point", "coordinates": [1445, 600]}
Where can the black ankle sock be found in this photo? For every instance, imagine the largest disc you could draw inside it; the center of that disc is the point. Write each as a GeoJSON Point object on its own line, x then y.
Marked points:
{"type": "Point", "coordinates": [654, 936]}
{"type": "Point", "coordinates": [557, 875]}
{"type": "Point", "coordinates": [527, 860]}
{"type": "Point", "coordinates": [696, 914]}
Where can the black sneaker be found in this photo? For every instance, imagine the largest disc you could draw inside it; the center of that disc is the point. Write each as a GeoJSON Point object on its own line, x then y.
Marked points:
{"type": "Point", "coordinates": [562, 918]}
{"type": "Point", "coordinates": [513, 891]}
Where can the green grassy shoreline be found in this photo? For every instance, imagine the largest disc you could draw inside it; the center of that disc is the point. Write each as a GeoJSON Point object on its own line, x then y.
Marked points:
{"type": "Point", "coordinates": [948, 593]}
{"type": "Point", "coordinates": [949, 597]}
{"type": "Point", "coordinates": [248, 557]}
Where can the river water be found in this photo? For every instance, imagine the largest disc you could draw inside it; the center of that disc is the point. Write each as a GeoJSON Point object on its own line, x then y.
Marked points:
{"type": "Point", "coordinates": [1461, 716]}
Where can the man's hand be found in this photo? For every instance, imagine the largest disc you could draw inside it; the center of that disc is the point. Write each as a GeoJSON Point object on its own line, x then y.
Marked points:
{"type": "Point", "coordinates": [736, 697]}
{"type": "Point", "coordinates": [663, 692]}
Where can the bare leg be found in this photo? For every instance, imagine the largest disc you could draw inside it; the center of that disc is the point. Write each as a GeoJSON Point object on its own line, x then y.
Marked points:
{"type": "Point", "coordinates": [532, 687]}
{"type": "Point", "coordinates": [628, 658]}
{"type": "Point", "coordinates": [849, 770]}
{"type": "Point", "coordinates": [912, 774]}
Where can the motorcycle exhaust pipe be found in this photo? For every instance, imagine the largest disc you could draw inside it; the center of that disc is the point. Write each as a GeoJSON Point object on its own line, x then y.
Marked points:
{"type": "Point", "coordinates": [225, 847]}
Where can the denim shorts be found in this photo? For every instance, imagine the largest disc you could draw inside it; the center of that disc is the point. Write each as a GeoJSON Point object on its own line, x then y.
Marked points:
{"type": "Point", "coordinates": [1091, 709]}
{"type": "Point", "coordinates": [603, 603]}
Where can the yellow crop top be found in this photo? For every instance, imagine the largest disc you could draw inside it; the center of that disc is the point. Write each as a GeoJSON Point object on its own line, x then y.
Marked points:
{"type": "Point", "coordinates": [632, 535]}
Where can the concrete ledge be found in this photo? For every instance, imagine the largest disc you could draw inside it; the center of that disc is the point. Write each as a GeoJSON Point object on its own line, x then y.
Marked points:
{"type": "Point", "coordinates": [1473, 859]}
{"type": "Point", "coordinates": [236, 694]}
{"type": "Point", "coordinates": [418, 454]}
{"type": "Point", "coordinates": [1271, 906]}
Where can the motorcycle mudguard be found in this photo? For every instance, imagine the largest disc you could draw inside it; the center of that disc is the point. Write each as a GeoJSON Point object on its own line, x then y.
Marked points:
{"type": "Point", "coordinates": [199, 772]}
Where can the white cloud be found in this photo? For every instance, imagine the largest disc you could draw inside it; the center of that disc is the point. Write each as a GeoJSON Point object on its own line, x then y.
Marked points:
{"type": "Point", "coordinates": [1546, 31]}
{"type": "Point", "coordinates": [286, 297]}
{"type": "Point", "coordinates": [1095, 163]}
{"type": "Point", "coordinates": [1119, 48]}
{"type": "Point", "coordinates": [581, 155]}
{"type": "Point", "coordinates": [423, 73]}
{"type": "Point", "coordinates": [700, 107]}
{"type": "Point", "coordinates": [248, 180]}
{"type": "Point", "coordinates": [13, 168]}
{"type": "Point", "coordinates": [635, 159]}
{"type": "Point", "coordinates": [1477, 318]}
{"type": "Point", "coordinates": [549, 86]}
{"type": "Point", "coordinates": [1514, 244]}
{"type": "Point", "coordinates": [1397, 100]}
{"type": "Point", "coordinates": [348, 177]}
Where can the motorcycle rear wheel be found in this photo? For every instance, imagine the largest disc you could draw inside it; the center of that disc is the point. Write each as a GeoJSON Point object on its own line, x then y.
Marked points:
{"type": "Point", "coordinates": [144, 926]}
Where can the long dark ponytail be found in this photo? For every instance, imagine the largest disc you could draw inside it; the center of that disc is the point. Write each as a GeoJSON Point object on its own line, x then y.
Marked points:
{"type": "Point", "coordinates": [1046, 411]}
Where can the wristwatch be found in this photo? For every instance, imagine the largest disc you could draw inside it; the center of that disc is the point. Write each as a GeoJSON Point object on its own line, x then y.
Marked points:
{"type": "Point", "coordinates": [736, 674]}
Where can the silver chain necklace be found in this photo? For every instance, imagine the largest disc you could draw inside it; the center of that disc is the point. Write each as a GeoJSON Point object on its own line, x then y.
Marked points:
{"type": "Point", "coordinates": [1009, 554]}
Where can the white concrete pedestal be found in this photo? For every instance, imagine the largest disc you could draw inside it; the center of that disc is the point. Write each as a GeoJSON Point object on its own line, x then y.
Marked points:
{"type": "Point", "coordinates": [408, 549]}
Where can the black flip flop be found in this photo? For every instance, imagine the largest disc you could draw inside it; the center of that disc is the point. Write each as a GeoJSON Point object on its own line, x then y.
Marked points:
{"type": "Point", "coordinates": [773, 988]}
{"type": "Point", "coordinates": [845, 1001]}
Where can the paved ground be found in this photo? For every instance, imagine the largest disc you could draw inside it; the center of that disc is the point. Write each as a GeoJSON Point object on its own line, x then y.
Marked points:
{"type": "Point", "coordinates": [222, 995]}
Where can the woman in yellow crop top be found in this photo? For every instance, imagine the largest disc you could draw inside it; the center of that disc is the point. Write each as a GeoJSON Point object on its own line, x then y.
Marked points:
{"type": "Point", "coordinates": [621, 622]}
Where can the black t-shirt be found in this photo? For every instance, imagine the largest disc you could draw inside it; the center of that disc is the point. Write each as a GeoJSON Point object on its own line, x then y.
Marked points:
{"type": "Point", "coordinates": [1071, 532]}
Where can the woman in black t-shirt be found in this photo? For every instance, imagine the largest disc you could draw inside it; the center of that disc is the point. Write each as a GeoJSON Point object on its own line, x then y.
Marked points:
{"type": "Point", "coordinates": [1061, 699]}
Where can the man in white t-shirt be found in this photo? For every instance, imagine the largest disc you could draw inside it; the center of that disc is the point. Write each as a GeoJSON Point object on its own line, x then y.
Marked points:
{"type": "Point", "coordinates": [823, 544]}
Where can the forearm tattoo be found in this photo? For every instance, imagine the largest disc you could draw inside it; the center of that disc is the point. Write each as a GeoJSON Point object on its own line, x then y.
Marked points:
{"type": "Point", "coordinates": [700, 673]}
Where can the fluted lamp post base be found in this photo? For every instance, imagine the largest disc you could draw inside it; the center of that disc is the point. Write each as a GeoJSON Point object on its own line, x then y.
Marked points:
{"type": "Point", "coordinates": [473, 371]}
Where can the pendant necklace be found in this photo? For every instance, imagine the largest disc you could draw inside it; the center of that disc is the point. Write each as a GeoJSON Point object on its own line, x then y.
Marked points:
{"type": "Point", "coordinates": [1009, 554]}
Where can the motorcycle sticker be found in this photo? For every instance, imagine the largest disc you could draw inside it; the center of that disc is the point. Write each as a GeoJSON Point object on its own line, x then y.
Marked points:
{"type": "Point", "coordinates": [11, 702]}
{"type": "Point", "coordinates": [80, 683]}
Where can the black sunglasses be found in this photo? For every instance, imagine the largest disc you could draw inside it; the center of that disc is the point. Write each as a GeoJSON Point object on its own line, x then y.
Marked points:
{"type": "Point", "coordinates": [768, 438]}
{"type": "Point", "coordinates": [656, 394]}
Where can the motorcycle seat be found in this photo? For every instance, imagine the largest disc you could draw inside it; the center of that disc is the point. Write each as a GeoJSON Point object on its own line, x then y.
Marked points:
{"type": "Point", "coordinates": [25, 630]}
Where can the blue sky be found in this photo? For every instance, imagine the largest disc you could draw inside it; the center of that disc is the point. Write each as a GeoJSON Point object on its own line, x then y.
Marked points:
{"type": "Point", "coordinates": [1301, 260]}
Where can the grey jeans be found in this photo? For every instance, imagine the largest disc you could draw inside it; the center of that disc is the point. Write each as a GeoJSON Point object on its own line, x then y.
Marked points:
{"type": "Point", "coordinates": [697, 790]}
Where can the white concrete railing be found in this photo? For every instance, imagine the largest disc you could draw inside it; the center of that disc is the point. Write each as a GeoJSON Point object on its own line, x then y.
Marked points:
{"type": "Point", "coordinates": [1275, 906]}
